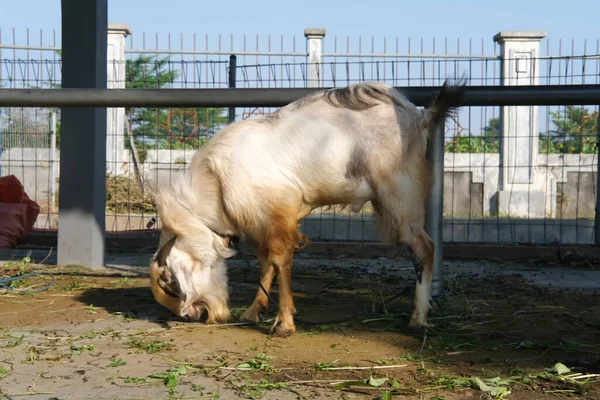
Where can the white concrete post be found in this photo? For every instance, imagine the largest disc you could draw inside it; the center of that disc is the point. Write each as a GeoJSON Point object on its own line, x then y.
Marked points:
{"type": "Point", "coordinates": [315, 49]}
{"type": "Point", "coordinates": [518, 196]}
{"type": "Point", "coordinates": [115, 118]}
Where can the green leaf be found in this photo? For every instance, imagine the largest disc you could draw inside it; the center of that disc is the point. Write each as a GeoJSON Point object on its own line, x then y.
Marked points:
{"type": "Point", "coordinates": [117, 363]}
{"type": "Point", "coordinates": [172, 381]}
{"type": "Point", "coordinates": [386, 395]}
{"type": "Point", "coordinates": [376, 382]}
{"type": "Point", "coordinates": [370, 382]}
{"type": "Point", "coordinates": [492, 389]}
{"type": "Point", "coordinates": [561, 368]}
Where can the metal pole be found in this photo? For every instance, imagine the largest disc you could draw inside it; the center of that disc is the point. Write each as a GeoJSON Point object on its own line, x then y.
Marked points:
{"type": "Point", "coordinates": [52, 159]}
{"type": "Point", "coordinates": [232, 78]}
{"type": "Point", "coordinates": [434, 214]}
{"type": "Point", "coordinates": [277, 97]}
{"type": "Point", "coordinates": [1, 139]}
{"type": "Point", "coordinates": [82, 186]}
{"type": "Point", "coordinates": [596, 217]}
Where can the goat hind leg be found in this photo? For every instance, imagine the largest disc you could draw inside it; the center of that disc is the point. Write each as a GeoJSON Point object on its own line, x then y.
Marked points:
{"type": "Point", "coordinates": [392, 209]}
{"type": "Point", "coordinates": [421, 248]}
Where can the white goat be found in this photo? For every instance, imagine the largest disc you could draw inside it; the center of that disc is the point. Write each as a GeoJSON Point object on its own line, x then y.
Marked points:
{"type": "Point", "coordinates": [258, 178]}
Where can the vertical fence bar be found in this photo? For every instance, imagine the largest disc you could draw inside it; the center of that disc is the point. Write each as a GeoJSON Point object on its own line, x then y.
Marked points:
{"type": "Point", "coordinates": [596, 218]}
{"type": "Point", "coordinates": [52, 160]}
{"type": "Point", "coordinates": [434, 214]}
{"type": "Point", "coordinates": [232, 79]}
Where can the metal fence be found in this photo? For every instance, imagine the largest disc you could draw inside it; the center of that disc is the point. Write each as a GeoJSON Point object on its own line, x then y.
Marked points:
{"type": "Point", "coordinates": [550, 197]}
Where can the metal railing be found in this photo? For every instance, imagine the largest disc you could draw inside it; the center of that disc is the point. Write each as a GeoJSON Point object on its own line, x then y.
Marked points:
{"type": "Point", "coordinates": [275, 97]}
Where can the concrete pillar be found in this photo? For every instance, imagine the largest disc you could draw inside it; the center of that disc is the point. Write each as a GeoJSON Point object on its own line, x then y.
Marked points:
{"type": "Point", "coordinates": [82, 186]}
{"type": "Point", "coordinates": [519, 127]}
{"type": "Point", "coordinates": [315, 49]}
{"type": "Point", "coordinates": [115, 118]}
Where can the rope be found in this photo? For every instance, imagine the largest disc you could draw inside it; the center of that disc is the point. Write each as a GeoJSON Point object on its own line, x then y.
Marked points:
{"type": "Point", "coordinates": [339, 320]}
{"type": "Point", "coordinates": [5, 281]}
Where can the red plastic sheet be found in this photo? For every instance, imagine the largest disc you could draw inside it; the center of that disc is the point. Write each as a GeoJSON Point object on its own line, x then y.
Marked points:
{"type": "Point", "coordinates": [17, 212]}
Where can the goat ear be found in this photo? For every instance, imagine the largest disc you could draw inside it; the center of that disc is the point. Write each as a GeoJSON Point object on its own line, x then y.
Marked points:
{"type": "Point", "coordinates": [184, 278]}
{"type": "Point", "coordinates": [189, 301]}
{"type": "Point", "coordinates": [225, 247]}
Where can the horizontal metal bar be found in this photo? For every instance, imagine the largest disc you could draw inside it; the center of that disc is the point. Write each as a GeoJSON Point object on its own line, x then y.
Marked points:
{"type": "Point", "coordinates": [453, 56]}
{"type": "Point", "coordinates": [13, 47]}
{"type": "Point", "coordinates": [176, 52]}
{"type": "Point", "coordinates": [410, 55]}
{"type": "Point", "coordinates": [277, 97]}
{"type": "Point", "coordinates": [292, 54]}
{"type": "Point", "coordinates": [218, 53]}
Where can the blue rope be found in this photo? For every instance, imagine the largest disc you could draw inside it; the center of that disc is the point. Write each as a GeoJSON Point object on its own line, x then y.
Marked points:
{"type": "Point", "coordinates": [5, 281]}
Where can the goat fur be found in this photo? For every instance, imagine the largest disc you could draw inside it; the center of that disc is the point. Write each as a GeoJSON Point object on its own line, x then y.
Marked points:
{"type": "Point", "coordinates": [256, 179]}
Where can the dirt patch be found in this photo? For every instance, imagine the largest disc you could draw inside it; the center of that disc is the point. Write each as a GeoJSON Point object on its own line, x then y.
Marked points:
{"type": "Point", "coordinates": [102, 335]}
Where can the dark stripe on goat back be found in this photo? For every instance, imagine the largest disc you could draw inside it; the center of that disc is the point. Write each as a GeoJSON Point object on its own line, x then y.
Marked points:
{"type": "Point", "coordinates": [360, 96]}
{"type": "Point", "coordinates": [357, 165]}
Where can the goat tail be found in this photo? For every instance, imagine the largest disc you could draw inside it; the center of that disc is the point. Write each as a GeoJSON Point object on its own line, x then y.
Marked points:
{"type": "Point", "coordinates": [445, 104]}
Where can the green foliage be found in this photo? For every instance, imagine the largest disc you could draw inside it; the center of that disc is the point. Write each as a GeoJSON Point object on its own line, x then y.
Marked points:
{"type": "Point", "coordinates": [473, 144]}
{"type": "Point", "coordinates": [575, 132]}
{"type": "Point", "coordinates": [181, 128]}
{"type": "Point", "coordinates": [488, 142]}
{"type": "Point", "coordinates": [175, 129]}
{"type": "Point", "coordinates": [149, 347]}
{"type": "Point", "coordinates": [260, 363]}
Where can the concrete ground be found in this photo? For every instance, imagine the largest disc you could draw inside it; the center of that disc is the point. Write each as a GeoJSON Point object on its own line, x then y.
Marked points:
{"type": "Point", "coordinates": [498, 328]}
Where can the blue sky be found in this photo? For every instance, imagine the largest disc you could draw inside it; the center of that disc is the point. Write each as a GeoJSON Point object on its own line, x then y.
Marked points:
{"type": "Point", "coordinates": [457, 19]}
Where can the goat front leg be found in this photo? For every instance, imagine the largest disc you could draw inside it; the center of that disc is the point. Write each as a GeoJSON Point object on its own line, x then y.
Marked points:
{"type": "Point", "coordinates": [261, 301]}
{"type": "Point", "coordinates": [284, 322]}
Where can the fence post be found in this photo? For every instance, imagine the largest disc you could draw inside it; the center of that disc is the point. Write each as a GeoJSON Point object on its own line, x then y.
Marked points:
{"type": "Point", "coordinates": [53, 172]}
{"type": "Point", "coordinates": [116, 76]}
{"type": "Point", "coordinates": [232, 79]}
{"type": "Point", "coordinates": [315, 49]}
{"type": "Point", "coordinates": [1, 140]}
{"type": "Point", "coordinates": [596, 218]}
{"type": "Point", "coordinates": [434, 214]}
{"type": "Point", "coordinates": [519, 133]}
{"type": "Point", "coordinates": [82, 204]}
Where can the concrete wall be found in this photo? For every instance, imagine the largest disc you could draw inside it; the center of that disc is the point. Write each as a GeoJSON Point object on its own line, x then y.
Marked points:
{"type": "Point", "coordinates": [471, 184]}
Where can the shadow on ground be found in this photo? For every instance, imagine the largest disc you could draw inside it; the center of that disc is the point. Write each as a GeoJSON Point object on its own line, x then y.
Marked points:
{"type": "Point", "coordinates": [488, 324]}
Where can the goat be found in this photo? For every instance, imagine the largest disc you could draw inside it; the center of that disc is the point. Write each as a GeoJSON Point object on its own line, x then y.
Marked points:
{"type": "Point", "coordinates": [257, 178]}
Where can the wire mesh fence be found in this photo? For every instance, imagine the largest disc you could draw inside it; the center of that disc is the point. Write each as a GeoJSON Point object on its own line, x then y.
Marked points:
{"type": "Point", "coordinates": [520, 175]}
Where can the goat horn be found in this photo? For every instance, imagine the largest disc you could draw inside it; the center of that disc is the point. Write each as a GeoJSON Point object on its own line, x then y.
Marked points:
{"type": "Point", "coordinates": [163, 253]}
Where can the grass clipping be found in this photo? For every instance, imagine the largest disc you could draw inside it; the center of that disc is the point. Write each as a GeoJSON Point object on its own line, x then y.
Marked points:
{"type": "Point", "coordinates": [124, 195]}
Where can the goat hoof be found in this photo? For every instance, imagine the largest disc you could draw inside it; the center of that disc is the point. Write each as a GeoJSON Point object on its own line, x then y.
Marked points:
{"type": "Point", "coordinates": [281, 329]}
{"type": "Point", "coordinates": [418, 327]}
{"type": "Point", "coordinates": [250, 315]}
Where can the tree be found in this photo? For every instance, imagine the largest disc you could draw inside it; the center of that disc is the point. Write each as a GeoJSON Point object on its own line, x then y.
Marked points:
{"type": "Point", "coordinates": [492, 130]}
{"type": "Point", "coordinates": [488, 142]}
{"type": "Point", "coordinates": [575, 132]}
{"type": "Point", "coordinates": [167, 128]}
